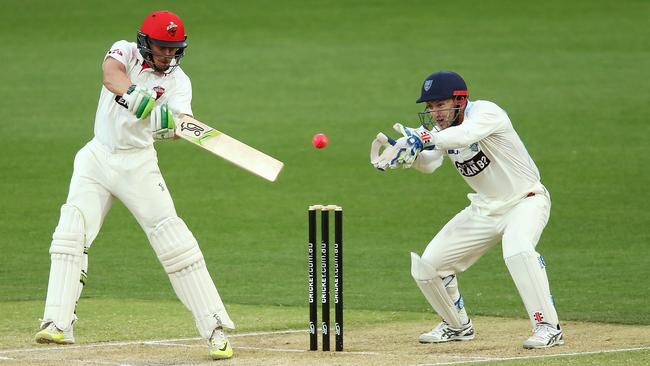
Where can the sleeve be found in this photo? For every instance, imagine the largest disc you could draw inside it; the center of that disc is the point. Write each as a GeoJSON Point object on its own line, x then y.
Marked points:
{"type": "Point", "coordinates": [481, 124]}
{"type": "Point", "coordinates": [181, 100]}
{"type": "Point", "coordinates": [428, 161]}
{"type": "Point", "coordinates": [121, 51]}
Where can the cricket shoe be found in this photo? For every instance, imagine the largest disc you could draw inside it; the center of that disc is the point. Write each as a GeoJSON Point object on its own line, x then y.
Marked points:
{"type": "Point", "coordinates": [545, 335]}
{"type": "Point", "coordinates": [50, 333]}
{"type": "Point", "coordinates": [219, 345]}
{"type": "Point", "coordinates": [444, 333]}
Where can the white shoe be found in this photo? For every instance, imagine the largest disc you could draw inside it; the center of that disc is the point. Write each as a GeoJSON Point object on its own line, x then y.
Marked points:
{"type": "Point", "coordinates": [444, 333]}
{"type": "Point", "coordinates": [49, 333]}
{"type": "Point", "coordinates": [219, 345]}
{"type": "Point", "coordinates": [545, 335]}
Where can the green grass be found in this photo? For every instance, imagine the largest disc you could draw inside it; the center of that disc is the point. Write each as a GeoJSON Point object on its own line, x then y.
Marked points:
{"type": "Point", "coordinates": [128, 319]}
{"type": "Point", "coordinates": [572, 76]}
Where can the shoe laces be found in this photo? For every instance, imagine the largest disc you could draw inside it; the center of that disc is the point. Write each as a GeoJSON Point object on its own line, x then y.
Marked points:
{"type": "Point", "coordinates": [441, 327]}
{"type": "Point", "coordinates": [217, 338]}
{"type": "Point", "coordinates": [543, 330]}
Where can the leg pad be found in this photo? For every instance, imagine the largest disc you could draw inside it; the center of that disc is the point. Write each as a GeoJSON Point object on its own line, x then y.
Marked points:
{"type": "Point", "coordinates": [180, 255]}
{"type": "Point", "coordinates": [434, 291]}
{"type": "Point", "coordinates": [528, 272]}
{"type": "Point", "coordinates": [66, 252]}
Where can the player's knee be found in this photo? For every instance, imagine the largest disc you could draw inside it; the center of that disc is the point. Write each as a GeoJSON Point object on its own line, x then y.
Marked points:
{"type": "Point", "coordinates": [422, 270]}
{"type": "Point", "coordinates": [520, 247]}
{"type": "Point", "coordinates": [515, 242]}
{"type": "Point", "coordinates": [175, 245]}
{"type": "Point", "coordinates": [69, 235]}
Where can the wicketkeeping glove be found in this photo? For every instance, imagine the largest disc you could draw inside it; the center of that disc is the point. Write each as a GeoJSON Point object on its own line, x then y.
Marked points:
{"type": "Point", "coordinates": [398, 153]}
{"type": "Point", "coordinates": [140, 101]}
{"type": "Point", "coordinates": [419, 138]}
{"type": "Point", "coordinates": [162, 122]}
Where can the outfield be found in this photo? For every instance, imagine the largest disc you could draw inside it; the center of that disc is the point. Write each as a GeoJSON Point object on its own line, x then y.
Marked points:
{"type": "Point", "coordinates": [572, 76]}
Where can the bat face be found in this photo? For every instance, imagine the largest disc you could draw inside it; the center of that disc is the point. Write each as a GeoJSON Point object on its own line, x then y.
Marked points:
{"type": "Point", "coordinates": [229, 148]}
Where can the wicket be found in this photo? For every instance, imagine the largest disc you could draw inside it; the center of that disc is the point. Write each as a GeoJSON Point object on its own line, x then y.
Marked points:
{"type": "Point", "coordinates": [324, 279]}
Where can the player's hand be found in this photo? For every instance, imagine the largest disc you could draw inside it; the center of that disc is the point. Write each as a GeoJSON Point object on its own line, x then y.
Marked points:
{"type": "Point", "coordinates": [162, 123]}
{"type": "Point", "coordinates": [419, 138]}
{"type": "Point", "coordinates": [398, 154]}
{"type": "Point", "coordinates": [140, 101]}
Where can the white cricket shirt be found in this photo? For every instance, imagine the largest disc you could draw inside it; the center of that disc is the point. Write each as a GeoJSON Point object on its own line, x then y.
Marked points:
{"type": "Point", "coordinates": [119, 129]}
{"type": "Point", "coordinates": [489, 154]}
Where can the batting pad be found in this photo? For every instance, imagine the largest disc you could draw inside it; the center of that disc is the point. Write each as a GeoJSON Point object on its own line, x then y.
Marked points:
{"type": "Point", "coordinates": [66, 252]}
{"type": "Point", "coordinates": [434, 291]}
{"type": "Point", "coordinates": [180, 255]}
{"type": "Point", "coordinates": [529, 274]}
{"type": "Point", "coordinates": [451, 286]}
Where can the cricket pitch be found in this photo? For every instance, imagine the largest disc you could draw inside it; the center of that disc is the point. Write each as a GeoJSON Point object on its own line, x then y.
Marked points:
{"type": "Point", "coordinates": [395, 343]}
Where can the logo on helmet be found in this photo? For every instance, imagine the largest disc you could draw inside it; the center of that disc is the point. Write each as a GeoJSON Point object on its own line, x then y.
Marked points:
{"type": "Point", "coordinates": [427, 85]}
{"type": "Point", "coordinates": [171, 29]}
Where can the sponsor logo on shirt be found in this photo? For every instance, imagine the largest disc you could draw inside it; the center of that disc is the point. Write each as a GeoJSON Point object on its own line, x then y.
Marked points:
{"type": "Point", "coordinates": [473, 166]}
{"type": "Point", "coordinates": [121, 101]}
{"type": "Point", "coordinates": [159, 91]}
{"type": "Point", "coordinates": [115, 51]}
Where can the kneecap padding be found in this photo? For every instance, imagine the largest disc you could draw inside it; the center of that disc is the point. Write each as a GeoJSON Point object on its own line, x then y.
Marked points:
{"type": "Point", "coordinates": [175, 245]}
{"type": "Point", "coordinates": [434, 291]}
{"type": "Point", "coordinates": [68, 237]}
{"type": "Point", "coordinates": [66, 252]}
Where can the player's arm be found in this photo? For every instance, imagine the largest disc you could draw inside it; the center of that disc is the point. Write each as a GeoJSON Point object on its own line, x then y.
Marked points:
{"type": "Point", "coordinates": [138, 100]}
{"type": "Point", "coordinates": [115, 78]}
{"type": "Point", "coordinates": [428, 161]}
{"type": "Point", "coordinates": [470, 131]}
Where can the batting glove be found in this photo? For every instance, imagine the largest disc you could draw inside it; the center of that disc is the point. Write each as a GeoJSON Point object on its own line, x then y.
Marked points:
{"type": "Point", "coordinates": [162, 123]}
{"type": "Point", "coordinates": [140, 101]}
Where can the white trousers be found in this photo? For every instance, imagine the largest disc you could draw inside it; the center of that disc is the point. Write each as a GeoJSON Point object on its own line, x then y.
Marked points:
{"type": "Point", "coordinates": [471, 233]}
{"type": "Point", "coordinates": [132, 176]}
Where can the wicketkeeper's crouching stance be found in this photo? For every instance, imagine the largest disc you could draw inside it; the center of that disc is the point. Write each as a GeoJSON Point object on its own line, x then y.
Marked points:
{"type": "Point", "coordinates": [144, 90]}
{"type": "Point", "coordinates": [510, 205]}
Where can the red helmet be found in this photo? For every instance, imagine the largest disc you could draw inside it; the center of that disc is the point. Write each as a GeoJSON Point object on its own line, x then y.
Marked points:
{"type": "Point", "coordinates": [164, 29]}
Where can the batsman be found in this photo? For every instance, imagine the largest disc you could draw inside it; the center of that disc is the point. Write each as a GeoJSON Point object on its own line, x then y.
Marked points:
{"type": "Point", "coordinates": [144, 91]}
{"type": "Point", "coordinates": [510, 205]}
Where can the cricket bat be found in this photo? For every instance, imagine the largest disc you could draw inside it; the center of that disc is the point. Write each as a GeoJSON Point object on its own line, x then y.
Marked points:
{"type": "Point", "coordinates": [228, 148]}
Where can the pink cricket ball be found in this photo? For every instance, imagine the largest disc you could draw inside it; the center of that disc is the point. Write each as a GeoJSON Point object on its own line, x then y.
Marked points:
{"type": "Point", "coordinates": [319, 140]}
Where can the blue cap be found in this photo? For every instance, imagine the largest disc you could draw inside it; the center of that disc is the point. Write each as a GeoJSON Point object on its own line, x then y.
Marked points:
{"type": "Point", "coordinates": [442, 85]}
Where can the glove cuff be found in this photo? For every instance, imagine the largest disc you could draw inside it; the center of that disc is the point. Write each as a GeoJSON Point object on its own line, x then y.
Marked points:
{"type": "Point", "coordinates": [425, 137]}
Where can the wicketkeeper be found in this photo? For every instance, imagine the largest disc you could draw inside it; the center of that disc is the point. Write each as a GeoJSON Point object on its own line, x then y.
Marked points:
{"type": "Point", "coordinates": [510, 206]}
{"type": "Point", "coordinates": [144, 91]}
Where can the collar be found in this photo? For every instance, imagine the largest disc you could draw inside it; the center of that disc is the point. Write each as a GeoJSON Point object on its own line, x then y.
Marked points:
{"type": "Point", "coordinates": [468, 107]}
